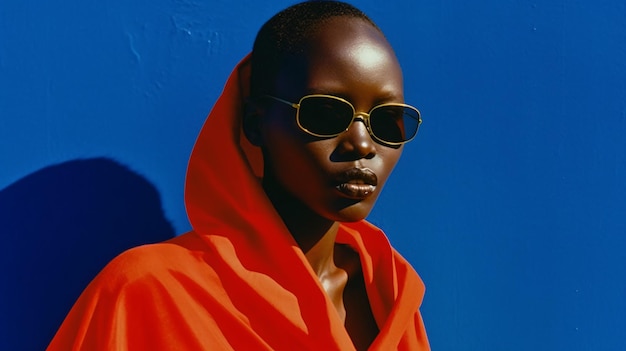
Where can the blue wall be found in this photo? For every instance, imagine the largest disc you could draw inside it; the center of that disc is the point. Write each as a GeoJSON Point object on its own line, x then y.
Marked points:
{"type": "Point", "coordinates": [511, 203]}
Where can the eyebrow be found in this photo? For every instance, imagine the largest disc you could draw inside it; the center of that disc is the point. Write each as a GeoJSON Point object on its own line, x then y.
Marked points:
{"type": "Point", "coordinates": [390, 97]}
{"type": "Point", "coordinates": [384, 97]}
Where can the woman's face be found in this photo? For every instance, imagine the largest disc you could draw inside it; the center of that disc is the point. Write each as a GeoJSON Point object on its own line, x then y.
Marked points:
{"type": "Point", "coordinates": [339, 178]}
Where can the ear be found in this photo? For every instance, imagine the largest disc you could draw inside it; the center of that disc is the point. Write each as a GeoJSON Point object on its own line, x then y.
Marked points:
{"type": "Point", "coordinates": [251, 124]}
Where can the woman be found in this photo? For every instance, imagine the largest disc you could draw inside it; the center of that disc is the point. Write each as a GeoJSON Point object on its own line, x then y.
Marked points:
{"type": "Point", "coordinates": [287, 166]}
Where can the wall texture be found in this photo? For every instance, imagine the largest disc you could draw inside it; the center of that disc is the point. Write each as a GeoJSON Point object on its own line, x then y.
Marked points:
{"type": "Point", "coordinates": [511, 203]}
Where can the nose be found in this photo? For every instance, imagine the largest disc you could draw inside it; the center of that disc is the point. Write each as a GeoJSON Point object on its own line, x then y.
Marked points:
{"type": "Point", "coordinates": [357, 142]}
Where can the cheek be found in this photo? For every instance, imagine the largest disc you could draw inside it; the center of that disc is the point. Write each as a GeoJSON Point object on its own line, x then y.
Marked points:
{"type": "Point", "coordinates": [293, 158]}
{"type": "Point", "coordinates": [387, 160]}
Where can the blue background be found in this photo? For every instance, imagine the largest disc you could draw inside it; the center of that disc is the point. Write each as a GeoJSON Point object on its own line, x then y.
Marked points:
{"type": "Point", "coordinates": [510, 203]}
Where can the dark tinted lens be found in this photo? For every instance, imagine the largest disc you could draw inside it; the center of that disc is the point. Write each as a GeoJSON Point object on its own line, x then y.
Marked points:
{"type": "Point", "coordinates": [394, 123]}
{"type": "Point", "coordinates": [324, 115]}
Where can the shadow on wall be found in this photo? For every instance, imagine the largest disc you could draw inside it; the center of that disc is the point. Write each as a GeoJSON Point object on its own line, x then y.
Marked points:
{"type": "Point", "coordinates": [59, 227]}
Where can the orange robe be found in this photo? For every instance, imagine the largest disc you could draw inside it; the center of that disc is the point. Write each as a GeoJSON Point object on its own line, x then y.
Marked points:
{"type": "Point", "coordinates": [238, 280]}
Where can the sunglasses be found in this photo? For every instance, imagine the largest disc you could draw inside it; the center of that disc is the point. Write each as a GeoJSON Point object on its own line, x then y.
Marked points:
{"type": "Point", "coordinates": [328, 116]}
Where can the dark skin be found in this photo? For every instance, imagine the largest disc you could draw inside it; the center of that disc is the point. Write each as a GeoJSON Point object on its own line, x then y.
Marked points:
{"type": "Point", "coordinates": [301, 171]}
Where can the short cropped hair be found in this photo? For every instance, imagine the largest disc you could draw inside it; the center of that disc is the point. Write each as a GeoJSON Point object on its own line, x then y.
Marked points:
{"type": "Point", "coordinates": [287, 33]}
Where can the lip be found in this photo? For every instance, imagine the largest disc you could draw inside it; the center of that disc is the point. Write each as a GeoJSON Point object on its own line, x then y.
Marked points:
{"type": "Point", "coordinates": [356, 183]}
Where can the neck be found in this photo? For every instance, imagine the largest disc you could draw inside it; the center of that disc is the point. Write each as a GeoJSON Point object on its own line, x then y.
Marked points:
{"type": "Point", "coordinates": [320, 253]}
{"type": "Point", "coordinates": [314, 234]}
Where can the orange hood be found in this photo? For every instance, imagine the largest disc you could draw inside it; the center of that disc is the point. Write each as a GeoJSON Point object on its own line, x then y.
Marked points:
{"type": "Point", "coordinates": [225, 200]}
{"type": "Point", "coordinates": [238, 281]}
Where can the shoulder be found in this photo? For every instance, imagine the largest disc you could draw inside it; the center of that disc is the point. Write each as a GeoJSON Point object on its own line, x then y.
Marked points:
{"type": "Point", "coordinates": [138, 288]}
{"type": "Point", "coordinates": [151, 262]}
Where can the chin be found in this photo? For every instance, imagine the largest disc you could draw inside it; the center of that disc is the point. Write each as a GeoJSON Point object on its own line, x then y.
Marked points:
{"type": "Point", "coordinates": [353, 212]}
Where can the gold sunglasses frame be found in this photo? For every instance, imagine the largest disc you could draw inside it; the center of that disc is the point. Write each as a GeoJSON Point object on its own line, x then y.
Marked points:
{"type": "Point", "coordinates": [365, 117]}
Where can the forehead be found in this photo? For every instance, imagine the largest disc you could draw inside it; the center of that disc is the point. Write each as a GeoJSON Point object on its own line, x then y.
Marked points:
{"type": "Point", "coordinates": [343, 51]}
{"type": "Point", "coordinates": [342, 34]}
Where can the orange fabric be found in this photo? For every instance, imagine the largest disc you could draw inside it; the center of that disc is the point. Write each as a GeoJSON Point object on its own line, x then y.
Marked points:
{"type": "Point", "coordinates": [238, 280]}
